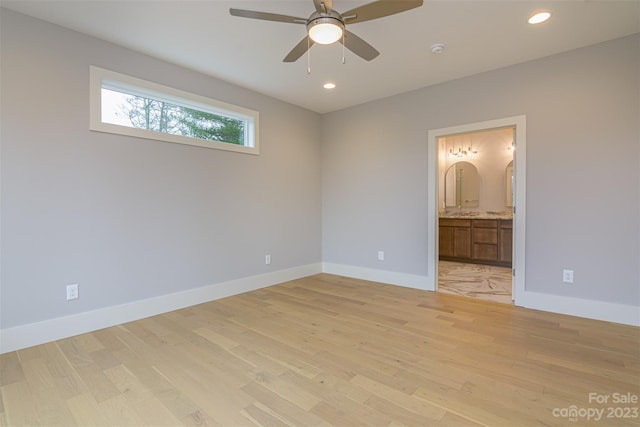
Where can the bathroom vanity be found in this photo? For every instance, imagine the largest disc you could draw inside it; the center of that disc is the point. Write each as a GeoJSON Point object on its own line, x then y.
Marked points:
{"type": "Point", "coordinates": [468, 231]}
{"type": "Point", "coordinates": [476, 239]}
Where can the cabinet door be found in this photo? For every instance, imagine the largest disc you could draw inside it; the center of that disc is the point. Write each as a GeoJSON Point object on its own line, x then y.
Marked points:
{"type": "Point", "coordinates": [506, 240]}
{"type": "Point", "coordinates": [485, 252]}
{"type": "Point", "coordinates": [446, 241]}
{"type": "Point", "coordinates": [462, 242]}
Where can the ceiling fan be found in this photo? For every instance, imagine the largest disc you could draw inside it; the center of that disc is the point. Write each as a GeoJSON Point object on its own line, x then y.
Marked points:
{"type": "Point", "coordinates": [327, 26]}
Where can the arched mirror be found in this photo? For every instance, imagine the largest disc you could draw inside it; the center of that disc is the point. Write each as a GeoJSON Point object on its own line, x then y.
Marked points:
{"type": "Point", "coordinates": [509, 183]}
{"type": "Point", "coordinates": [461, 185]}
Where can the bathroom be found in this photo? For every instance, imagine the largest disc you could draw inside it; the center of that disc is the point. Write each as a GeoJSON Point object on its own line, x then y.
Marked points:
{"type": "Point", "coordinates": [475, 172]}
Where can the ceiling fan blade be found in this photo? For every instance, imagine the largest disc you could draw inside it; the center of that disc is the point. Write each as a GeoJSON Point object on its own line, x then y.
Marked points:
{"type": "Point", "coordinates": [379, 9]}
{"type": "Point", "coordinates": [328, 5]}
{"type": "Point", "coordinates": [267, 16]}
{"type": "Point", "coordinates": [298, 50]}
{"type": "Point", "coordinates": [358, 46]}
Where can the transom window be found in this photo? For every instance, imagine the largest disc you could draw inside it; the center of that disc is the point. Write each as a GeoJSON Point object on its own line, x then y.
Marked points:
{"type": "Point", "coordinates": [126, 105]}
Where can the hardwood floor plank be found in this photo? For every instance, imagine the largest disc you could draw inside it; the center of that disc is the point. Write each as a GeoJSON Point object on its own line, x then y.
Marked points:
{"type": "Point", "coordinates": [66, 379]}
{"type": "Point", "coordinates": [37, 374]}
{"type": "Point", "coordinates": [212, 396]}
{"type": "Point", "coordinates": [19, 410]}
{"type": "Point", "coordinates": [262, 416]}
{"type": "Point", "coordinates": [453, 420]}
{"type": "Point", "coordinates": [184, 409]}
{"type": "Point", "coordinates": [154, 413]}
{"type": "Point", "coordinates": [52, 409]}
{"type": "Point", "coordinates": [29, 353]}
{"type": "Point", "coordinates": [398, 398]}
{"type": "Point", "coordinates": [118, 411]}
{"type": "Point", "coordinates": [334, 416]}
{"type": "Point", "coordinates": [399, 415]}
{"type": "Point", "coordinates": [287, 411]}
{"type": "Point", "coordinates": [11, 370]}
{"type": "Point", "coordinates": [86, 412]}
{"type": "Point", "coordinates": [287, 390]}
{"type": "Point", "coordinates": [341, 400]}
{"type": "Point", "coordinates": [328, 350]}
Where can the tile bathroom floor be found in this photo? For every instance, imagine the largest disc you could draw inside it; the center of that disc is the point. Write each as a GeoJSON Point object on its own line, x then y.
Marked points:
{"type": "Point", "coordinates": [486, 282]}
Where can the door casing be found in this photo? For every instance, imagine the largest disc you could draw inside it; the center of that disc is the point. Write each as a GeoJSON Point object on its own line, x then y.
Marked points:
{"type": "Point", "coordinates": [519, 161]}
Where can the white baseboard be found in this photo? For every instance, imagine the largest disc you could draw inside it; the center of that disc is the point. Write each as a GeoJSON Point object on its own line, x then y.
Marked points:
{"type": "Point", "coordinates": [591, 309]}
{"type": "Point", "coordinates": [382, 276]}
{"type": "Point", "coordinates": [598, 310]}
{"type": "Point", "coordinates": [24, 336]}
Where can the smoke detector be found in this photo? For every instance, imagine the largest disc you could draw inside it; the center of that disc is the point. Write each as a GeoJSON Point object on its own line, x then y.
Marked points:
{"type": "Point", "coordinates": [437, 48]}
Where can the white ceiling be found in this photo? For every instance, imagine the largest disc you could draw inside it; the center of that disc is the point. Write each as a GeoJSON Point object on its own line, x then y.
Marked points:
{"type": "Point", "coordinates": [478, 36]}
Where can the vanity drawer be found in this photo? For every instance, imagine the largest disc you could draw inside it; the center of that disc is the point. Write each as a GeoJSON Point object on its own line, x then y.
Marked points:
{"type": "Point", "coordinates": [485, 223]}
{"type": "Point", "coordinates": [448, 222]}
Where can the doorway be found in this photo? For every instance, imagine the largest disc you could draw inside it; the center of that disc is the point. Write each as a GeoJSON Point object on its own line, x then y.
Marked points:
{"type": "Point", "coordinates": [475, 214]}
{"type": "Point", "coordinates": [463, 203]}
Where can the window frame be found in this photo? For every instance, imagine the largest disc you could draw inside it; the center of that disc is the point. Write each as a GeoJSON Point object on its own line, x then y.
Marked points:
{"type": "Point", "coordinates": [101, 78]}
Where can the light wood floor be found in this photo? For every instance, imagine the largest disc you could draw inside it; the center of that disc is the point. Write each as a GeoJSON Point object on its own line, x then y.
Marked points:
{"type": "Point", "coordinates": [327, 350]}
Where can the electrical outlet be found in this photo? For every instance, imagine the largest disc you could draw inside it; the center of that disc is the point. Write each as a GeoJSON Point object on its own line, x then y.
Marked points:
{"type": "Point", "coordinates": [72, 292]}
{"type": "Point", "coordinates": [380, 255]}
{"type": "Point", "coordinates": [267, 259]}
{"type": "Point", "coordinates": [567, 276]}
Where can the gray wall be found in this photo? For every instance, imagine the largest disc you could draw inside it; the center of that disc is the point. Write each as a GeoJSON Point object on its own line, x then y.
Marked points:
{"type": "Point", "coordinates": [129, 218]}
{"type": "Point", "coordinates": [583, 156]}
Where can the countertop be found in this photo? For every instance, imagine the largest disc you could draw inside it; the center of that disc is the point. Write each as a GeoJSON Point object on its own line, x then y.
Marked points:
{"type": "Point", "coordinates": [476, 215]}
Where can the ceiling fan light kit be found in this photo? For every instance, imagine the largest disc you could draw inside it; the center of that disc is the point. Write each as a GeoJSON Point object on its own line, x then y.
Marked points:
{"type": "Point", "coordinates": [327, 26]}
{"type": "Point", "coordinates": [325, 29]}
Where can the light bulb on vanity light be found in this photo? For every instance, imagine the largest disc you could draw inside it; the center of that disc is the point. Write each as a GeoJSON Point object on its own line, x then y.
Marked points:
{"type": "Point", "coordinates": [460, 152]}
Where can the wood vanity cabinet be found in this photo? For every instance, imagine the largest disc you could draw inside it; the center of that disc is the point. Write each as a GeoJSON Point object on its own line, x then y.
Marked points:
{"type": "Point", "coordinates": [480, 241]}
{"type": "Point", "coordinates": [455, 238]}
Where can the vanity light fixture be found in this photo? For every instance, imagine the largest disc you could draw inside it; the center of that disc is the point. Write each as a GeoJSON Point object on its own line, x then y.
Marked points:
{"type": "Point", "coordinates": [539, 17]}
{"type": "Point", "coordinates": [462, 152]}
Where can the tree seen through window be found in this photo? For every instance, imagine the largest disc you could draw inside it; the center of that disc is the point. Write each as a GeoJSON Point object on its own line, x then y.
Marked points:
{"type": "Point", "coordinates": [161, 116]}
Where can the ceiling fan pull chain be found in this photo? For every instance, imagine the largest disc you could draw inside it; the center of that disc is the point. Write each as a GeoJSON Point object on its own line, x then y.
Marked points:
{"type": "Point", "coordinates": [308, 56]}
{"type": "Point", "coordinates": [343, 37]}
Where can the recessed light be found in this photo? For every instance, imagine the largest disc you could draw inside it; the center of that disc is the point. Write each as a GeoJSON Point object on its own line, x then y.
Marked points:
{"type": "Point", "coordinates": [329, 85]}
{"type": "Point", "coordinates": [539, 17]}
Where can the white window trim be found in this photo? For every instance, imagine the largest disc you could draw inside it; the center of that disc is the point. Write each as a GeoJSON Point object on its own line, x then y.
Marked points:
{"type": "Point", "coordinates": [100, 78]}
